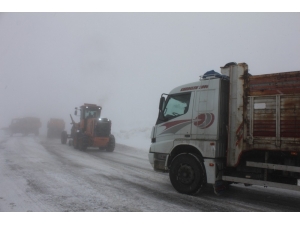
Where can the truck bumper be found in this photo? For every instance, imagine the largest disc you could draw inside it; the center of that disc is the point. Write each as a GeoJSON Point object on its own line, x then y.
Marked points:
{"type": "Point", "coordinates": [158, 161]}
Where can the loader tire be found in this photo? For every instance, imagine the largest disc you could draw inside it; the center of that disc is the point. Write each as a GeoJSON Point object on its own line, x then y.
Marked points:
{"type": "Point", "coordinates": [187, 174]}
{"type": "Point", "coordinates": [83, 142]}
{"type": "Point", "coordinates": [111, 143]}
{"type": "Point", "coordinates": [63, 137]}
{"type": "Point", "coordinates": [75, 144]}
{"type": "Point", "coordinates": [75, 141]}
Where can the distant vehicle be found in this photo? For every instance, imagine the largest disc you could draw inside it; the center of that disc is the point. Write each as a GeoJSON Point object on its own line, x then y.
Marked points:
{"type": "Point", "coordinates": [91, 131]}
{"type": "Point", "coordinates": [230, 128]}
{"type": "Point", "coordinates": [25, 126]}
{"type": "Point", "coordinates": [55, 127]}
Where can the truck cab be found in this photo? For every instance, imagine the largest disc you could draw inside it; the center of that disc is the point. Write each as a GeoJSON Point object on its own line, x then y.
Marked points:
{"type": "Point", "coordinates": [191, 125]}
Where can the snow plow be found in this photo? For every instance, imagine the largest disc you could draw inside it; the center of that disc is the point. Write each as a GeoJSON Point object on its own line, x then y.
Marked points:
{"type": "Point", "coordinates": [25, 126]}
{"type": "Point", "coordinates": [55, 127]}
{"type": "Point", "coordinates": [91, 131]}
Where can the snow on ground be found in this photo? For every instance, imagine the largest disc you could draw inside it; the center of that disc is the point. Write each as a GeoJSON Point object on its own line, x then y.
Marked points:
{"type": "Point", "coordinates": [134, 137]}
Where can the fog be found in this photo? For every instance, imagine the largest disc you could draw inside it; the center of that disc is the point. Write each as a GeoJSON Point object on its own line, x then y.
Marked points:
{"type": "Point", "coordinates": [51, 63]}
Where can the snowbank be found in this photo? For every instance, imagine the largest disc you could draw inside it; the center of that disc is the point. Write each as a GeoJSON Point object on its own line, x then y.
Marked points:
{"type": "Point", "coordinates": [135, 137]}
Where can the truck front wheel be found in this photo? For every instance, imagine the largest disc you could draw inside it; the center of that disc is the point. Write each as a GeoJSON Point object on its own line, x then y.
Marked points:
{"type": "Point", "coordinates": [187, 174]}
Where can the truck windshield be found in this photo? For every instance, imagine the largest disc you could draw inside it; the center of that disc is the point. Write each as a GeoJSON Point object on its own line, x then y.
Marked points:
{"type": "Point", "coordinates": [176, 105]}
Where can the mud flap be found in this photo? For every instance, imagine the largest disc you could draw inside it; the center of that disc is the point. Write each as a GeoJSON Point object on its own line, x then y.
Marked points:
{"type": "Point", "coordinates": [220, 187]}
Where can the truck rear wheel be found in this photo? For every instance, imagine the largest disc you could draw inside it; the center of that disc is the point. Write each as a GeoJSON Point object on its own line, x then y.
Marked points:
{"type": "Point", "coordinates": [187, 174]}
{"type": "Point", "coordinates": [111, 144]}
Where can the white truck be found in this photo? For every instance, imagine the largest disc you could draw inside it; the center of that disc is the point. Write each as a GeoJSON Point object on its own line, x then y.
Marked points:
{"type": "Point", "coordinates": [230, 128]}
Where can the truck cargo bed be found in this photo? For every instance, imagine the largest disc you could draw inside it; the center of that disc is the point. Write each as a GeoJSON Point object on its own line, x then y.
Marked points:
{"type": "Point", "coordinates": [264, 113]}
{"type": "Point", "coordinates": [273, 109]}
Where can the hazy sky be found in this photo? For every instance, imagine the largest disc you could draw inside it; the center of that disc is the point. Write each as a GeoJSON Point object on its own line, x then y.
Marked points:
{"type": "Point", "coordinates": [53, 62]}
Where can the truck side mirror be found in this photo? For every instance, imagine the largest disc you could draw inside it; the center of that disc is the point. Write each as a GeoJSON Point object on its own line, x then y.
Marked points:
{"type": "Point", "coordinates": [75, 113]}
{"type": "Point", "coordinates": [161, 103]}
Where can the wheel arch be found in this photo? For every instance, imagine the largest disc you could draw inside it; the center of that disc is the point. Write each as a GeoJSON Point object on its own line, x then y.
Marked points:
{"type": "Point", "coordinates": [184, 149]}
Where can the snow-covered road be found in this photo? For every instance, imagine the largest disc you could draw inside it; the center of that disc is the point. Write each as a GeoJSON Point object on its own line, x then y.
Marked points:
{"type": "Point", "coordinates": [37, 174]}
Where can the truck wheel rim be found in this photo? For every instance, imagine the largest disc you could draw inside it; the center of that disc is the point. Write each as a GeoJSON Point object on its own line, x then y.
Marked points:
{"type": "Point", "coordinates": [186, 174]}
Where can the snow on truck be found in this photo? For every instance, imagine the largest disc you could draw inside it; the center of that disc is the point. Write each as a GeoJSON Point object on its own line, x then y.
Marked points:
{"type": "Point", "coordinates": [230, 128]}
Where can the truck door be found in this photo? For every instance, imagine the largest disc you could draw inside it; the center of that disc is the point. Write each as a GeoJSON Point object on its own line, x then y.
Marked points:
{"type": "Point", "coordinates": [205, 111]}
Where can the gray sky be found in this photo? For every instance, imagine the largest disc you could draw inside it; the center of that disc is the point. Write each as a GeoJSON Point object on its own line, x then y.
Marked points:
{"type": "Point", "coordinates": [53, 62]}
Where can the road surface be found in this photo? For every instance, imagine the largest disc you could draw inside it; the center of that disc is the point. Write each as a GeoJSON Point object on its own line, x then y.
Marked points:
{"type": "Point", "coordinates": [42, 175]}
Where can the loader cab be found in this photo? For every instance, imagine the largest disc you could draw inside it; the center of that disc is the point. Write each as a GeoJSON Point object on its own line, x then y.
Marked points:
{"type": "Point", "coordinates": [88, 111]}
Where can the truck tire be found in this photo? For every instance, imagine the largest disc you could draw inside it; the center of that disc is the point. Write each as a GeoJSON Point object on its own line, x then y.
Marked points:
{"type": "Point", "coordinates": [63, 137]}
{"type": "Point", "coordinates": [187, 174]}
{"type": "Point", "coordinates": [111, 143]}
